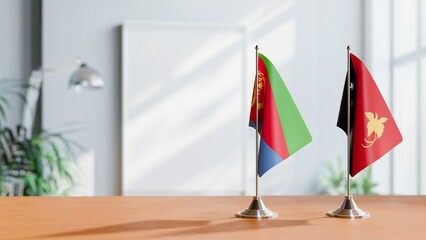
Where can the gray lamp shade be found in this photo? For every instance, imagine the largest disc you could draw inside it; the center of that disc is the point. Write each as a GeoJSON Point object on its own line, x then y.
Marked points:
{"type": "Point", "coordinates": [86, 77]}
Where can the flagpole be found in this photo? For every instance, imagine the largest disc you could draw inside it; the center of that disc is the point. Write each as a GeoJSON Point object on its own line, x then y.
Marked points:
{"type": "Point", "coordinates": [348, 182]}
{"type": "Point", "coordinates": [257, 121]}
{"type": "Point", "coordinates": [348, 209]}
{"type": "Point", "coordinates": [257, 208]}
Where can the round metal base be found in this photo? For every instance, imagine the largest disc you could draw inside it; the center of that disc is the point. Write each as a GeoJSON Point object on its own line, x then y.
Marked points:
{"type": "Point", "coordinates": [349, 209]}
{"type": "Point", "coordinates": [257, 209]}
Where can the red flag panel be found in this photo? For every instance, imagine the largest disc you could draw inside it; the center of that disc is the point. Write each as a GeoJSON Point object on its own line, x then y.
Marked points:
{"type": "Point", "coordinates": [374, 131]}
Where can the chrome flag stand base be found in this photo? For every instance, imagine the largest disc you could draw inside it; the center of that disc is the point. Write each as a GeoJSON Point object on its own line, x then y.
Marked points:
{"type": "Point", "coordinates": [349, 209]}
{"type": "Point", "coordinates": [257, 209]}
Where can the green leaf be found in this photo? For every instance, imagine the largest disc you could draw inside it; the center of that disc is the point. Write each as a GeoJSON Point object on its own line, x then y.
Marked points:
{"type": "Point", "coordinates": [30, 182]}
{"type": "Point", "coordinates": [2, 113]}
{"type": "Point", "coordinates": [4, 101]}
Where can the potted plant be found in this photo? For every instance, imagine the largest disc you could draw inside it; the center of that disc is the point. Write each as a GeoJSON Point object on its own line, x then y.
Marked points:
{"type": "Point", "coordinates": [41, 164]}
{"type": "Point", "coordinates": [333, 181]}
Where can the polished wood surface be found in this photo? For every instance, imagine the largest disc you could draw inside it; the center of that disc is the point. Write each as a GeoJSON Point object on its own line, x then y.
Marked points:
{"type": "Point", "coordinates": [300, 217]}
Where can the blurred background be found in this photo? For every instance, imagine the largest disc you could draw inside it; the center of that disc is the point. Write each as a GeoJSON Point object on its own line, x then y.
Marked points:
{"type": "Point", "coordinates": [172, 116]}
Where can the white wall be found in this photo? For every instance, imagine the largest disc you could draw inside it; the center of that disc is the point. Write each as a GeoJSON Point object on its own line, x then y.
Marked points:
{"type": "Point", "coordinates": [305, 39]}
{"type": "Point", "coordinates": [15, 47]}
{"type": "Point", "coordinates": [378, 53]}
{"type": "Point", "coordinates": [395, 58]}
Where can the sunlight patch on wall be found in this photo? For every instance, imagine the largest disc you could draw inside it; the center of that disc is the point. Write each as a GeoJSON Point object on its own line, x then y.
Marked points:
{"type": "Point", "coordinates": [406, 116]}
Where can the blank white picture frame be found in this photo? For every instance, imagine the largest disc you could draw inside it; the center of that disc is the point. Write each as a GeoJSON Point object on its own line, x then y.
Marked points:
{"type": "Point", "coordinates": [183, 101]}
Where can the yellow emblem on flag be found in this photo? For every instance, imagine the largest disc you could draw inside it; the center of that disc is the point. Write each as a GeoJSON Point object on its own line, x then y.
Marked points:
{"type": "Point", "coordinates": [260, 91]}
{"type": "Point", "coordinates": [375, 125]}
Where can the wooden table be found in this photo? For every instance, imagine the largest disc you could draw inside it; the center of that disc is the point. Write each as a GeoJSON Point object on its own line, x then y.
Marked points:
{"type": "Point", "coordinates": [301, 217]}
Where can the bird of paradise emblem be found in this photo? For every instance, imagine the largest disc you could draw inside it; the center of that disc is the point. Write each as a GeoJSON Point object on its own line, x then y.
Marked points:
{"type": "Point", "coordinates": [374, 125]}
{"type": "Point", "coordinates": [260, 91]}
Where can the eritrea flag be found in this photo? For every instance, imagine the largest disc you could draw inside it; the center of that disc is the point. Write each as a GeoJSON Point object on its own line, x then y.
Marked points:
{"type": "Point", "coordinates": [281, 127]}
{"type": "Point", "coordinates": [373, 131]}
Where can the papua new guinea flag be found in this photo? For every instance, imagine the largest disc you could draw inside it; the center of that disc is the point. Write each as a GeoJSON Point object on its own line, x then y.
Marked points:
{"type": "Point", "coordinates": [281, 127]}
{"type": "Point", "coordinates": [373, 131]}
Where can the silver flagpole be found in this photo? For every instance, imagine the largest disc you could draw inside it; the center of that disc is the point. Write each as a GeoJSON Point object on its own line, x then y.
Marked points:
{"type": "Point", "coordinates": [257, 208]}
{"type": "Point", "coordinates": [257, 121]}
{"type": "Point", "coordinates": [348, 150]}
{"type": "Point", "coordinates": [348, 209]}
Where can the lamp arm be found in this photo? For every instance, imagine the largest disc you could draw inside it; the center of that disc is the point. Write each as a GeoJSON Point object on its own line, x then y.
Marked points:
{"type": "Point", "coordinates": [31, 100]}
{"type": "Point", "coordinates": [33, 94]}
